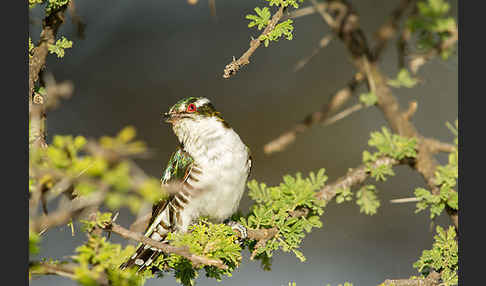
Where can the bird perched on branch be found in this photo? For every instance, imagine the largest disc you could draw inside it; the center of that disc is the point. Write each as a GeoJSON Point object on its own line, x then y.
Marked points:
{"type": "Point", "coordinates": [210, 168]}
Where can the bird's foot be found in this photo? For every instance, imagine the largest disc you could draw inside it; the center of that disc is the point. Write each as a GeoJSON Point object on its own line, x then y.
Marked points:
{"type": "Point", "coordinates": [236, 226]}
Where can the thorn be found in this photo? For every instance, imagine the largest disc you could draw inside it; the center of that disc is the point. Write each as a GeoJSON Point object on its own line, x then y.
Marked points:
{"type": "Point", "coordinates": [115, 217]}
{"type": "Point", "coordinates": [404, 200]}
{"type": "Point", "coordinates": [412, 108]}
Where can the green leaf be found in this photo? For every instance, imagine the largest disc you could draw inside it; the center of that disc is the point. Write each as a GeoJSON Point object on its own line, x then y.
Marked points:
{"type": "Point", "coordinates": [368, 99]}
{"type": "Point", "coordinates": [367, 200]}
{"type": "Point", "coordinates": [59, 46]}
{"type": "Point", "coordinates": [261, 18]}
{"type": "Point", "coordinates": [403, 79]}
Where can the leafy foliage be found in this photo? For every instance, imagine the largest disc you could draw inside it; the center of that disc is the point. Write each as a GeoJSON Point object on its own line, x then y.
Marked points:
{"type": "Point", "coordinates": [33, 3]}
{"type": "Point", "coordinates": [98, 258]}
{"type": "Point", "coordinates": [367, 200]}
{"type": "Point", "coordinates": [59, 46]}
{"type": "Point", "coordinates": [34, 240]}
{"type": "Point", "coordinates": [343, 195]}
{"type": "Point", "coordinates": [93, 169]}
{"type": "Point", "coordinates": [101, 220]}
{"type": "Point", "coordinates": [282, 29]}
{"type": "Point", "coordinates": [275, 205]}
{"type": "Point", "coordinates": [217, 241]}
{"type": "Point", "coordinates": [442, 258]}
{"type": "Point", "coordinates": [392, 145]}
{"type": "Point", "coordinates": [262, 19]}
{"type": "Point", "coordinates": [446, 179]}
{"type": "Point", "coordinates": [368, 99]}
{"type": "Point", "coordinates": [432, 25]}
{"type": "Point", "coordinates": [403, 79]}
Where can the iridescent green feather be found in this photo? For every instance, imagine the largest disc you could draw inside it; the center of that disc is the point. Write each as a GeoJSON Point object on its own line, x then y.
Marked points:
{"type": "Point", "coordinates": [178, 165]}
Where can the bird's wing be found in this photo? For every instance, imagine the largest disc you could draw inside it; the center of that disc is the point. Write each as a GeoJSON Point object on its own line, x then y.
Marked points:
{"type": "Point", "coordinates": [178, 170]}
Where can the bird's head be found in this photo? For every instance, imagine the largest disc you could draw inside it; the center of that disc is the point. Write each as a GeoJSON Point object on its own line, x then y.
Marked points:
{"type": "Point", "coordinates": [192, 109]}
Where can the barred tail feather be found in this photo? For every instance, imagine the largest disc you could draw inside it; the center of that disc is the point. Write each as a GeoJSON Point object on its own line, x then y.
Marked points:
{"type": "Point", "coordinates": [165, 217]}
{"type": "Point", "coordinates": [143, 257]}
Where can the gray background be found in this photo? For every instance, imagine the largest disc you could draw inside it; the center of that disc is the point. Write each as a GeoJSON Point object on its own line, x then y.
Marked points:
{"type": "Point", "coordinates": [140, 57]}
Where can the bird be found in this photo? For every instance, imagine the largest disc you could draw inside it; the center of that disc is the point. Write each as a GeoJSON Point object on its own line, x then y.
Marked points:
{"type": "Point", "coordinates": [210, 168]}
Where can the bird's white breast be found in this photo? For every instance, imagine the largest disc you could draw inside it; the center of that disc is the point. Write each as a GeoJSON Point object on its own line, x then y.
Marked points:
{"type": "Point", "coordinates": [223, 159]}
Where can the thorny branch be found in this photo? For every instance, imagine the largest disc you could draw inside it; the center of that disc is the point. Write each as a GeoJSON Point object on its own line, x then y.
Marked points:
{"type": "Point", "coordinates": [166, 248]}
{"type": "Point", "coordinates": [50, 25]}
{"type": "Point", "coordinates": [235, 65]}
{"type": "Point", "coordinates": [348, 30]}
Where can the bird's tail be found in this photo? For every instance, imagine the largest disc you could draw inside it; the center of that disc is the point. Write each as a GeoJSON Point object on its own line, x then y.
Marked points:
{"type": "Point", "coordinates": [158, 228]}
{"type": "Point", "coordinates": [143, 258]}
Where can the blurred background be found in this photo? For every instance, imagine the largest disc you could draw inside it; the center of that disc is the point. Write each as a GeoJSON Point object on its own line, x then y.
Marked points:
{"type": "Point", "coordinates": [140, 57]}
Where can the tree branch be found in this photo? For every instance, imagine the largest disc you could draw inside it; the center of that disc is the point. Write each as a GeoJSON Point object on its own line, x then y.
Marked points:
{"type": "Point", "coordinates": [339, 98]}
{"type": "Point", "coordinates": [389, 29]}
{"type": "Point", "coordinates": [409, 282]}
{"type": "Point", "coordinates": [348, 30]}
{"type": "Point", "coordinates": [309, 10]}
{"type": "Point", "coordinates": [437, 146]}
{"type": "Point", "coordinates": [37, 116]}
{"type": "Point", "coordinates": [235, 65]}
{"type": "Point", "coordinates": [354, 177]}
{"type": "Point", "coordinates": [62, 269]}
{"type": "Point", "coordinates": [63, 216]}
{"type": "Point", "coordinates": [324, 42]}
{"type": "Point", "coordinates": [418, 60]}
{"type": "Point", "coordinates": [167, 248]}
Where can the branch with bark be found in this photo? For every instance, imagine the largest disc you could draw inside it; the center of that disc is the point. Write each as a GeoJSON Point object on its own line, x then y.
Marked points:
{"type": "Point", "coordinates": [346, 27]}
{"type": "Point", "coordinates": [337, 100]}
{"type": "Point", "coordinates": [166, 248]}
{"type": "Point", "coordinates": [236, 64]}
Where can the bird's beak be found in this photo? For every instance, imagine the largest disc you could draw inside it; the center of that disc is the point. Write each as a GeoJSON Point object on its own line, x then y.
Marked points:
{"type": "Point", "coordinates": [166, 117]}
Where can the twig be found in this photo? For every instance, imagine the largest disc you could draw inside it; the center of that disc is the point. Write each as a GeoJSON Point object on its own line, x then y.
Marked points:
{"type": "Point", "coordinates": [262, 236]}
{"type": "Point", "coordinates": [438, 146]}
{"type": "Point", "coordinates": [322, 44]}
{"type": "Point", "coordinates": [418, 60]}
{"type": "Point", "coordinates": [235, 65]}
{"type": "Point", "coordinates": [354, 177]}
{"type": "Point", "coordinates": [167, 248]}
{"type": "Point", "coordinates": [62, 269]}
{"type": "Point", "coordinates": [346, 112]}
{"type": "Point", "coordinates": [320, 116]}
{"type": "Point", "coordinates": [63, 216]}
{"type": "Point", "coordinates": [212, 9]}
{"type": "Point", "coordinates": [402, 46]}
{"type": "Point", "coordinates": [77, 21]}
{"type": "Point", "coordinates": [309, 10]}
{"type": "Point", "coordinates": [388, 29]}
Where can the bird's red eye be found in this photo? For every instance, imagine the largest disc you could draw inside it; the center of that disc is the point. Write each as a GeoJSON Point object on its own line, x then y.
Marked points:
{"type": "Point", "coordinates": [191, 107]}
